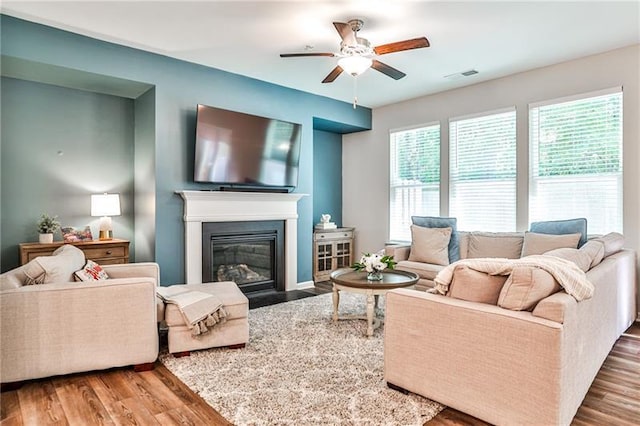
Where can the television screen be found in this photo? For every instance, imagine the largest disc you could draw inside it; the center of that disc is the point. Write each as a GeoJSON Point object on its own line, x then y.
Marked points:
{"type": "Point", "coordinates": [234, 148]}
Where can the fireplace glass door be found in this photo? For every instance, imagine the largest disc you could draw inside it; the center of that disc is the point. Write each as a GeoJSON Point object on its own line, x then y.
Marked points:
{"type": "Point", "coordinates": [247, 253]}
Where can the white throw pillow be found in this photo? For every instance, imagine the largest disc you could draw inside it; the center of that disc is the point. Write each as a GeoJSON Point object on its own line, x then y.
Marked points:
{"type": "Point", "coordinates": [60, 266]}
{"type": "Point", "coordinates": [577, 256]}
{"type": "Point", "coordinates": [430, 245]}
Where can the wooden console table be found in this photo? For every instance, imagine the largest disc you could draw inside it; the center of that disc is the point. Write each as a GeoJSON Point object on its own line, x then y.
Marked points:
{"type": "Point", "coordinates": [106, 252]}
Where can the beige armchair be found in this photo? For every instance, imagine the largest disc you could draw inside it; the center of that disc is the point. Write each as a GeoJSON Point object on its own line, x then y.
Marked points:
{"type": "Point", "coordinates": [67, 327]}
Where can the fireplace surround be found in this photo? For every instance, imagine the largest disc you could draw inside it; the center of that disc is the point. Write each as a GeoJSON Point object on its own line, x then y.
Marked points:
{"type": "Point", "coordinates": [202, 207]}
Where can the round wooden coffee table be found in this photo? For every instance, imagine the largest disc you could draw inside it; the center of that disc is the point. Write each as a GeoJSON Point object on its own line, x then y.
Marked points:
{"type": "Point", "coordinates": [356, 282]}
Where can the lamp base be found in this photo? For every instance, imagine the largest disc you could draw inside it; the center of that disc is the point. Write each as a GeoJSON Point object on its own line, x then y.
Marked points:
{"type": "Point", "coordinates": [106, 230]}
{"type": "Point", "coordinates": [105, 235]}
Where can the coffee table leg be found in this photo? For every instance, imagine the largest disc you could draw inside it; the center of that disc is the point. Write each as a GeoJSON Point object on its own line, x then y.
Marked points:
{"type": "Point", "coordinates": [336, 302]}
{"type": "Point", "coordinates": [370, 303]}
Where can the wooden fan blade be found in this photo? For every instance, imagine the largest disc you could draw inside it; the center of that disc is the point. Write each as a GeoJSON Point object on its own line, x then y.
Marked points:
{"type": "Point", "coordinates": [346, 33]}
{"type": "Point", "coordinates": [333, 75]}
{"type": "Point", "coordinates": [297, 55]}
{"type": "Point", "coordinates": [387, 70]}
{"type": "Point", "coordinates": [399, 46]}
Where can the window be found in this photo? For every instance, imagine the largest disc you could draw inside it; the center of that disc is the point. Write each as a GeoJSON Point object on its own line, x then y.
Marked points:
{"type": "Point", "coordinates": [482, 184]}
{"type": "Point", "coordinates": [576, 160]}
{"type": "Point", "coordinates": [414, 178]}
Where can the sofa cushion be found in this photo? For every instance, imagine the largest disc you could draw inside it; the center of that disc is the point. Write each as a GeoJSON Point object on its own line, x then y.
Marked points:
{"type": "Point", "coordinates": [442, 222]}
{"type": "Point", "coordinates": [430, 245]}
{"type": "Point", "coordinates": [535, 243]}
{"type": "Point", "coordinates": [475, 286]}
{"type": "Point", "coordinates": [595, 250]}
{"type": "Point", "coordinates": [577, 256]}
{"type": "Point", "coordinates": [506, 245]}
{"type": "Point", "coordinates": [525, 287]}
{"type": "Point", "coordinates": [613, 243]}
{"type": "Point", "coordinates": [561, 227]}
{"type": "Point", "coordinates": [91, 272]}
{"type": "Point", "coordinates": [425, 271]}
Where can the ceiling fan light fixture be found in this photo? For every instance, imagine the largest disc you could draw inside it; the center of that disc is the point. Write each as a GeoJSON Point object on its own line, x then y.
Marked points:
{"type": "Point", "coordinates": [355, 65]}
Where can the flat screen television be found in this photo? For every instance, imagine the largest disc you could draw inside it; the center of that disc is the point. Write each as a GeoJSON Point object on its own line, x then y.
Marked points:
{"type": "Point", "coordinates": [234, 149]}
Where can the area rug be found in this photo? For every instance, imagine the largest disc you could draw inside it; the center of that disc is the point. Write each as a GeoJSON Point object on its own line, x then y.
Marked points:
{"type": "Point", "coordinates": [300, 368]}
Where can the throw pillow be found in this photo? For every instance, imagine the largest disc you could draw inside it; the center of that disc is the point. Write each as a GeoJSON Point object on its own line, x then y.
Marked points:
{"type": "Point", "coordinates": [561, 227]}
{"type": "Point", "coordinates": [91, 272]}
{"type": "Point", "coordinates": [506, 245]}
{"type": "Point", "coordinates": [475, 286]}
{"type": "Point", "coordinates": [613, 243]}
{"type": "Point", "coordinates": [60, 266]}
{"type": "Point", "coordinates": [525, 287]}
{"type": "Point", "coordinates": [595, 250]}
{"type": "Point", "coordinates": [33, 272]}
{"type": "Point", "coordinates": [541, 243]}
{"type": "Point", "coordinates": [442, 222]}
{"type": "Point", "coordinates": [577, 256]}
{"type": "Point", "coordinates": [430, 245]}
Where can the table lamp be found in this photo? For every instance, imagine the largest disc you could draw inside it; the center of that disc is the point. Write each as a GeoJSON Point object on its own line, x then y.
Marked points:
{"type": "Point", "coordinates": [105, 205]}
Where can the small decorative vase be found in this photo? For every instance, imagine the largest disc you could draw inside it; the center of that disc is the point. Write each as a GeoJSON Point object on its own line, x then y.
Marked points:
{"type": "Point", "coordinates": [374, 276]}
{"type": "Point", "coordinates": [45, 238]}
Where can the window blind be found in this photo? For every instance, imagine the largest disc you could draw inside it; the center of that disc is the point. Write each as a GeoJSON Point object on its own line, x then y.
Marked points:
{"type": "Point", "coordinates": [482, 184]}
{"type": "Point", "coordinates": [576, 161]}
{"type": "Point", "coordinates": [414, 178]}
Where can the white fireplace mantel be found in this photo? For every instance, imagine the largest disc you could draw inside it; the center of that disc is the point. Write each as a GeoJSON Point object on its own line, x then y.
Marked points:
{"type": "Point", "coordinates": [219, 206]}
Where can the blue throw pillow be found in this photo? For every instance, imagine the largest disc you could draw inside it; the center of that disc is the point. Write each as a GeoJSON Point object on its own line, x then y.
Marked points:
{"type": "Point", "coordinates": [442, 222]}
{"type": "Point", "coordinates": [560, 227]}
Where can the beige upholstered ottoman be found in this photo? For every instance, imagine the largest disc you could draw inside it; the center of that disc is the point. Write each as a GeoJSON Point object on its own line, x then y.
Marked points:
{"type": "Point", "coordinates": [233, 333]}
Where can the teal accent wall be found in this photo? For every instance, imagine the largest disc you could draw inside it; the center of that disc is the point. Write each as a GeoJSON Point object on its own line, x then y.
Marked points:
{"type": "Point", "coordinates": [169, 124]}
{"type": "Point", "coordinates": [327, 176]}
{"type": "Point", "coordinates": [60, 145]}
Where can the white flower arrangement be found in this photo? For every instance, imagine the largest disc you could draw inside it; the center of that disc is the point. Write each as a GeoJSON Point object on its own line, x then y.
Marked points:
{"type": "Point", "coordinates": [375, 262]}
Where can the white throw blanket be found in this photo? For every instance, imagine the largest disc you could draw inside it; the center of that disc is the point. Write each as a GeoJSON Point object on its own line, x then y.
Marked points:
{"type": "Point", "coordinates": [200, 310]}
{"type": "Point", "coordinates": [569, 276]}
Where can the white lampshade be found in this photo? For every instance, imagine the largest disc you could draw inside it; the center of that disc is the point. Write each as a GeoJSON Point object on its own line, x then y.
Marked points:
{"type": "Point", "coordinates": [105, 204]}
{"type": "Point", "coordinates": [355, 65]}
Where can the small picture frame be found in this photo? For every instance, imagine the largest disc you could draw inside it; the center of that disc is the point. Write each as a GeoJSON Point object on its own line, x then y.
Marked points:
{"type": "Point", "coordinates": [73, 235]}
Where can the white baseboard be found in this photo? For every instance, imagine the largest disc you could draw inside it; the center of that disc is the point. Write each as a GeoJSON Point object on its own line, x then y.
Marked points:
{"type": "Point", "coordinates": [305, 284]}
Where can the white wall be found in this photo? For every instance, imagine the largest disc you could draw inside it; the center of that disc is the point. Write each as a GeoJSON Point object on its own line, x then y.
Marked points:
{"type": "Point", "coordinates": [365, 157]}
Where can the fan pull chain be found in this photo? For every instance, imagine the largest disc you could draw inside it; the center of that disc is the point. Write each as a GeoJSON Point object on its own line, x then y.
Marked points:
{"type": "Point", "coordinates": [355, 91]}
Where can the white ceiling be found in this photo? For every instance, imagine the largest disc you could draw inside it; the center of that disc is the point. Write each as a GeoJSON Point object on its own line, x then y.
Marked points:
{"type": "Point", "coordinates": [246, 37]}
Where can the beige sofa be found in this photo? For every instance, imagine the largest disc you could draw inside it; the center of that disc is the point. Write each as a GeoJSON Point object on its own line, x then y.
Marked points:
{"type": "Point", "coordinates": [66, 327]}
{"type": "Point", "coordinates": [506, 366]}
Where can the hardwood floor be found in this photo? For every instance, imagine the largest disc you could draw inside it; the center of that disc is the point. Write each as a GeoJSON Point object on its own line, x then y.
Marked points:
{"type": "Point", "coordinates": [157, 397]}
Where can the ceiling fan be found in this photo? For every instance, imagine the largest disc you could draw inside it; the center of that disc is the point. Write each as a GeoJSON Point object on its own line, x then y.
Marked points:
{"type": "Point", "coordinates": [356, 54]}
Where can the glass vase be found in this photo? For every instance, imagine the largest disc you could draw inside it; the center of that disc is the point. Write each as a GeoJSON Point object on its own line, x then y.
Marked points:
{"type": "Point", "coordinates": [374, 276]}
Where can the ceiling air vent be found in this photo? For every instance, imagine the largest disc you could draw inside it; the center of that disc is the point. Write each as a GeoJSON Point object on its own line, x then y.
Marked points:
{"type": "Point", "coordinates": [458, 75]}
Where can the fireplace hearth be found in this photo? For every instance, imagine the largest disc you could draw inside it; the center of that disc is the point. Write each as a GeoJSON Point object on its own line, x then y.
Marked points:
{"type": "Point", "coordinates": [249, 253]}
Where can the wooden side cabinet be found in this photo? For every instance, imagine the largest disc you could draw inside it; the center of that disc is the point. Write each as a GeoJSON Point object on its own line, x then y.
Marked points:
{"type": "Point", "coordinates": [107, 252]}
{"type": "Point", "coordinates": [332, 249]}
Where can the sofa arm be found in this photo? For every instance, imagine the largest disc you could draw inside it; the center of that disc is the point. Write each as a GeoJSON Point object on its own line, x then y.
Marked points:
{"type": "Point", "coordinates": [63, 328]}
{"type": "Point", "coordinates": [130, 270]}
{"type": "Point", "coordinates": [555, 307]}
{"type": "Point", "coordinates": [398, 251]}
{"type": "Point", "coordinates": [474, 357]}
